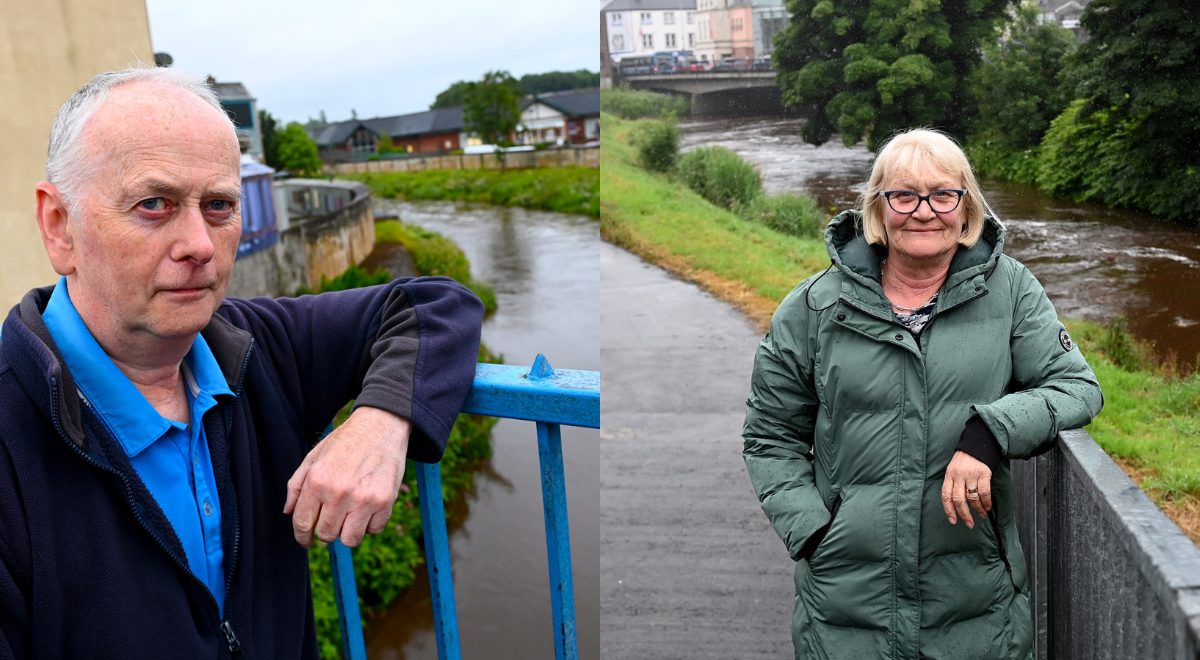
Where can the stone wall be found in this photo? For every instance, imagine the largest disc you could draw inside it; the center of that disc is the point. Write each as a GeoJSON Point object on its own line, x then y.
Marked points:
{"type": "Point", "coordinates": [578, 156]}
{"type": "Point", "coordinates": [308, 249]}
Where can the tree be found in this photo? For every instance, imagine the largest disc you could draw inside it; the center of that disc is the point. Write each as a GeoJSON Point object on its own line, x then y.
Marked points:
{"type": "Point", "coordinates": [866, 69]}
{"type": "Point", "coordinates": [455, 95]}
{"type": "Point", "coordinates": [492, 107]}
{"type": "Point", "coordinates": [558, 81]}
{"type": "Point", "coordinates": [1017, 93]}
{"type": "Point", "coordinates": [1139, 78]}
{"type": "Point", "coordinates": [384, 144]}
{"type": "Point", "coordinates": [298, 153]}
{"type": "Point", "coordinates": [530, 85]}
{"type": "Point", "coordinates": [270, 139]}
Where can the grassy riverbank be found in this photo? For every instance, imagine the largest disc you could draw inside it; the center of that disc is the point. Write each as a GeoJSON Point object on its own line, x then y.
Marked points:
{"type": "Point", "coordinates": [559, 189]}
{"type": "Point", "coordinates": [385, 564]}
{"type": "Point", "coordinates": [664, 222]}
{"type": "Point", "coordinates": [1151, 419]}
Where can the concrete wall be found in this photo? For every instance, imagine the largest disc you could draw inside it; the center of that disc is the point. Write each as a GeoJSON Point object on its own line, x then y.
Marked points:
{"type": "Point", "coordinates": [49, 50]}
{"type": "Point", "coordinates": [309, 249]}
{"type": "Point", "coordinates": [579, 156]}
{"type": "Point", "coordinates": [1110, 575]}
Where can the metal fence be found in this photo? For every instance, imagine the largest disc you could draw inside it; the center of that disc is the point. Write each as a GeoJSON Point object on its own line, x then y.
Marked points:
{"type": "Point", "coordinates": [539, 394]}
{"type": "Point", "coordinates": [1110, 575]}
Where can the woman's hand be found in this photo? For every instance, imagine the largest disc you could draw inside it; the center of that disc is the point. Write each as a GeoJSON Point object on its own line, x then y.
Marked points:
{"type": "Point", "coordinates": [968, 485]}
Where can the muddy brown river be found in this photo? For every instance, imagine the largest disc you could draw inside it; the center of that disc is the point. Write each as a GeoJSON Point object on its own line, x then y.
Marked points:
{"type": "Point", "coordinates": [545, 268]}
{"type": "Point", "coordinates": [1096, 263]}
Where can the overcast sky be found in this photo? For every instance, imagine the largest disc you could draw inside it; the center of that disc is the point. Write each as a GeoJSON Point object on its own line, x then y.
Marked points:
{"type": "Point", "coordinates": [378, 57]}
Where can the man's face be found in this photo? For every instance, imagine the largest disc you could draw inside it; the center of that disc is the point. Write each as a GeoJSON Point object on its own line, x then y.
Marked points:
{"type": "Point", "coordinates": [156, 228]}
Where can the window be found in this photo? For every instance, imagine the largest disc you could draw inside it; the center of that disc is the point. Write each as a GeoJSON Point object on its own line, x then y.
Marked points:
{"type": "Point", "coordinates": [648, 41]}
{"type": "Point", "coordinates": [691, 16]}
{"type": "Point", "coordinates": [691, 39]}
{"type": "Point", "coordinates": [615, 17]}
{"type": "Point", "coordinates": [668, 18]}
{"type": "Point", "coordinates": [646, 18]}
{"type": "Point", "coordinates": [618, 43]}
{"type": "Point", "coordinates": [737, 24]}
{"type": "Point", "coordinates": [363, 141]}
{"type": "Point", "coordinates": [670, 41]}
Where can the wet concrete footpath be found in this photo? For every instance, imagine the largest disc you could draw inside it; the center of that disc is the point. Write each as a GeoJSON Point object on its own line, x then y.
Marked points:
{"type": "Point", "coordinates": [689, 567]}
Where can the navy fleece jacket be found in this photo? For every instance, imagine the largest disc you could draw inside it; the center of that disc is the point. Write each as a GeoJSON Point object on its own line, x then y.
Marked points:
{"type": "Point", "coordinates": [89, 565]}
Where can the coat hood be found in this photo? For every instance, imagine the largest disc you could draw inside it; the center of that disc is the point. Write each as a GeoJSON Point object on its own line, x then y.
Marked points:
{"type": "Point", "coordinates": [860, 261]}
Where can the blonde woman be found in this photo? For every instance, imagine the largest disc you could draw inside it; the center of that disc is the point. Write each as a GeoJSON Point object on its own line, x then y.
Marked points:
{"type": "Point", "coordinates": [886, 401]}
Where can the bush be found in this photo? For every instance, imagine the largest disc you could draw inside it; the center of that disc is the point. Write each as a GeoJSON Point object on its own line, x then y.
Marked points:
{"type": "Point", "coordinates": [1100, 157]}
{"type": "Point", "coordinates": [434, 254]}
{"type": "Point", "coordinates": [720, 176]}
{"type": "Point", "coordinates": [636, 104]}
{"type": "Point", "coordinates": [1068, 163]}
{"type": "Point", "coordinates": [658, 145]}
{"type": "Point", "coordinates": [385, 564]}
{"type": "Point", "coordinates": [787, 213]}
{"type": "Point", "coordinates": [353, 278]}
{"type": "Point", "coordinates": [1125, 350]}
{"type": "Point", "coordinates": [570, 189]}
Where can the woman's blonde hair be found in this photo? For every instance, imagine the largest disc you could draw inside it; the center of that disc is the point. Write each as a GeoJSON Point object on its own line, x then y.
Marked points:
{"type": "Point", "coordinates": [912, 151]}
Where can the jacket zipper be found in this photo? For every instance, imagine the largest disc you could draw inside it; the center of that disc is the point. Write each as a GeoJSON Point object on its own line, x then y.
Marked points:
{"type": "Point", "coordinates": [231, 641]}
{"type": "Point", "coordinates": [55, 415]}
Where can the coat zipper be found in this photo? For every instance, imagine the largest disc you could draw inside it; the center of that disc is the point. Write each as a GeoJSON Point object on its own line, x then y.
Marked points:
{"type": "Point", "coordinates": [231, 639]}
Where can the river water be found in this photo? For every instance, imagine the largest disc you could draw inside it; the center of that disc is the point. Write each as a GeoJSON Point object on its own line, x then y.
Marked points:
{"type": "Point", "coordinates": [545, 268]}
{"type": "Point", "coordinates": [1095, 263]}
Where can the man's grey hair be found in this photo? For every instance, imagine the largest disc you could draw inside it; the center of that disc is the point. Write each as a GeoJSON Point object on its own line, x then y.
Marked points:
{"type": "Point", "coordinates": [68, 166]}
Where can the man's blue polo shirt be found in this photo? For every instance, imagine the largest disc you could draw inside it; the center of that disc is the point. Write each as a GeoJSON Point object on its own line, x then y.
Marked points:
{"type": "Point", "coordinates": [171, 457]}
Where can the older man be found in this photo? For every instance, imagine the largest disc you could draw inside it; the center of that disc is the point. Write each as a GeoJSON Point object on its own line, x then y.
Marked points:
{"type": "Point", "coordinates": [155, 438]}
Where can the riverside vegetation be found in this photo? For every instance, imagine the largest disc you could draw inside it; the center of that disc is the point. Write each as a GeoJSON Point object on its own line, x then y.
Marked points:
{"type": "Point", "coordinates": [1109, 119]}
{"type": "Point", "coordinates": [385, 564]}
{"type": "Point", "coordinates": [569, 189]}
{"type": "Point", "coordinates": [1151, 419]}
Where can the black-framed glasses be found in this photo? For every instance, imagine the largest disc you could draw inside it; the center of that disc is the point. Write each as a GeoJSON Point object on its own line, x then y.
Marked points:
{"type": "Point", "coordinates": [942, 200]}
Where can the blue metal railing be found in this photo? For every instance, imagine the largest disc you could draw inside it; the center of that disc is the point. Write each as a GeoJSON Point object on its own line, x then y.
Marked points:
{"type": "Point", "coordinates": [539, 394]}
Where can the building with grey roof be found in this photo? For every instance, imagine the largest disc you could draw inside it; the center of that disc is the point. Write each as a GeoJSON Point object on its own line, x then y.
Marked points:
{"type": "Point", "coordinates": [242, 109]}
{"type": "Point", "coordinates": [561, 117]}
{"type": "Point", "coordinates": [429, 132]}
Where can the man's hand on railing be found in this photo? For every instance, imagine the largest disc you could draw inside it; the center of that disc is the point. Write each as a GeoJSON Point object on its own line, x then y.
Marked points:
{"type": "Point", "coordinates": [347, 484]}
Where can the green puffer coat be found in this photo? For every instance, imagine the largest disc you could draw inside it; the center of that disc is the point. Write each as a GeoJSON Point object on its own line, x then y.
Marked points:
{"type": "Point", "coordinates": [851, 423]}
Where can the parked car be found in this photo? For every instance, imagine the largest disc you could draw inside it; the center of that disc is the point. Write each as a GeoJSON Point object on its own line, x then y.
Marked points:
{"type": "Point", "coordinates": [733, 64]}
{"type": "Point", "coordinates": [762, 64]}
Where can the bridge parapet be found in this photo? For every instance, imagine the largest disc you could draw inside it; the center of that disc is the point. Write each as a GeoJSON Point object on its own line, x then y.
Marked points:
{"type": "Point", "coordinates": [702, 82]}
{"type": "Point", "coordinates": [1110, 576]}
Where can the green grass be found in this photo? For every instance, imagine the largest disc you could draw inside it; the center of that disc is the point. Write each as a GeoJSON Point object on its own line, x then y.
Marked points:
{"type": "Point", "coordinates": [1151, 416]}
{"type": "Point", "coordinates": [561, 189]}
{"type": "Point", "coordinates": [662, 220]}
{"type": "Point", "coordinates": [434, 254]}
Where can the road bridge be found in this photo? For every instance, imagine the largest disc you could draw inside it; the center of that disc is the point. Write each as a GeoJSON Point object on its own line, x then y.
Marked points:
{"type": "Point", "coordinates": [717, 93]}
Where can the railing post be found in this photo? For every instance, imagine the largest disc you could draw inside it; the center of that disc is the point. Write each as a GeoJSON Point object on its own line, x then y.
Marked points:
{"type": "Point", "coordinates": [345, 593]}
{"type": "Point", "coordinates": [437, 560]}
{"type": "Point", "coordinates": [558, 542]}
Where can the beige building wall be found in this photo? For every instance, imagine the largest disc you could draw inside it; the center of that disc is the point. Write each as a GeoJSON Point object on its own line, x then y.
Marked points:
{"type": "Point", "coordinates": [47, 50]}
